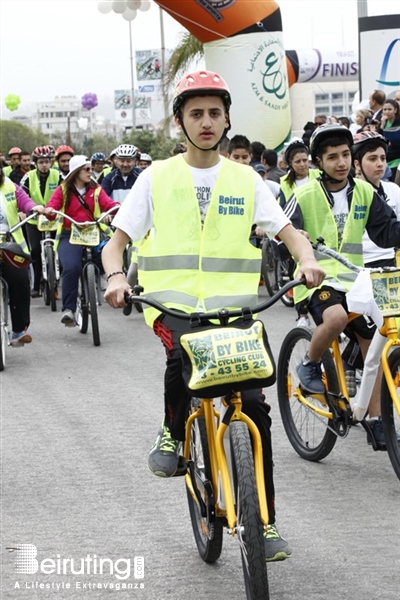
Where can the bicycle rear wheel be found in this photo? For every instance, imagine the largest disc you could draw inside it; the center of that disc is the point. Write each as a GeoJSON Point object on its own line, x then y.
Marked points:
{"type": "Point", "coordinates": [268, 267]}
{"type": "Point", "coordinates": [307, 431]}
{"type": "Point", "coordinates": [250, 529]}
{"type": "Point", "coordinates": [51, 278]}
{"type": "Point", "coordinates": [390, 417]}
{"type": "Point", "coordinates": [92, 299]}
{"type": "Point", "coordinates": [207, 529]}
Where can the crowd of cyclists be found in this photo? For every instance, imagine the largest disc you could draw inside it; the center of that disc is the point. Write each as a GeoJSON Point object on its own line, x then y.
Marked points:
{"type": "Point", "coordinates": [312, 188]}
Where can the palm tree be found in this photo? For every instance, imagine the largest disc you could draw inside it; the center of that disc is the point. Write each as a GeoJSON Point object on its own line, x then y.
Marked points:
{"type": "Point", "coordinates": [189, 50]}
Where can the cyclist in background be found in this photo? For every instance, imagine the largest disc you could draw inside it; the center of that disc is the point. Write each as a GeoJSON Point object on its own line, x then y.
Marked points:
{"type": "Point", "coordinates": [22, 169]}
{"type": "Point", "coordinates": [144, 161]}
{"type": "Point", "coordinates": [12, 201]}
{"type": "Point", "coordinates": [118, 183]}
{"type": "Point", "coordinates": [39, 184]}
{"type": "Point", "coordinates": [98, 161]}
{"type": "Point", "coordinates": [81, 198]}
{"type": "Point", "coordinates": [299, 172]}
{"type": "Point", "coordinates": [63, 156]}
{"type": "Point", "coordinates": [14, 160]}
{"type": "Point", "coordinates": [200, 237]}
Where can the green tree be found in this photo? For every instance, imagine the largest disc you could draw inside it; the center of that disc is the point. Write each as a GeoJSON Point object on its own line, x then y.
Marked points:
{"type": "Point", "coordinates": [188, 51]}
{"type": "Point", "coordinates": [155, 143]}
{"type": "Point", "coordinates": [16, 134]}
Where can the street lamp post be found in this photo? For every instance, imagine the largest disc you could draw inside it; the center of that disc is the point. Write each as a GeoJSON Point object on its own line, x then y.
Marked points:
{"type": "Point", "coordinates": [132, 79]}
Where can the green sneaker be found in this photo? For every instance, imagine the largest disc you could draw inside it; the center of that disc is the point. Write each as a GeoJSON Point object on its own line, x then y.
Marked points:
{"type": "Point", "coordinates": [164, 456]}
{"type": "Point", "coordinates": [276, 548]}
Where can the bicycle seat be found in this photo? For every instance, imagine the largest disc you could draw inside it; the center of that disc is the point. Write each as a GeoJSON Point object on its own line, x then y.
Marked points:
{"type": "Point", "coordinates": [12, 254]}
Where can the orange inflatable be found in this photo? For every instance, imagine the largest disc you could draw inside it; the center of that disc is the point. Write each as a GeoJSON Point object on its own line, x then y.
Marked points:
{"type": "Point", "coordinates": [243, 42]}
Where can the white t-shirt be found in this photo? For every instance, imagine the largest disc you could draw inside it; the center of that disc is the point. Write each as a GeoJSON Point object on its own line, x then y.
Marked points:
{"type": "Point", "coordinates": [340, 212]}
{"type": "Point", "coordinates": [300, 182]}
{"type": "Point", "coordinates": [135, 217]}
{"type": "Point", "coordinates": [371, 251]}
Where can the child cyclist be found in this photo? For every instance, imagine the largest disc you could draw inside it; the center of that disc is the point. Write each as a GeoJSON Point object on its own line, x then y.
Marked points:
{"type": "Point", "coordinates": [198, 255]}
{"type": "Point", "coordinates": [339, 209]}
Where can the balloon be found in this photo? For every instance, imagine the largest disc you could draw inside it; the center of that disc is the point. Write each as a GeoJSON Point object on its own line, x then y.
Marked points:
{"type": "Point", "coordinates": [83, 123]}
{"type": "Point", "coordinates": [133, 4]}
{"type": "Point", "coordinates": [12, 101]}
{"type": "Point", "coordinates": [105, 6]}
{"type": "Point", "coordinates": [129, 14]}
{"type": "Point", "coordinates": [119, 6]}
{"type": "Point", "coordinates": [89, 101]}
{"type": "Point", "coordinates": [145, 5]}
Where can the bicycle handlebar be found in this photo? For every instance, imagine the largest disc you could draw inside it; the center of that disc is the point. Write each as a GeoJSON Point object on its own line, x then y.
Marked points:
{"type": "Point", "coordinates": [86, 223]}
{"type": "Point", "coordinates": [320, 247]}
{"type": "Point", "coordinates": [222, 314]}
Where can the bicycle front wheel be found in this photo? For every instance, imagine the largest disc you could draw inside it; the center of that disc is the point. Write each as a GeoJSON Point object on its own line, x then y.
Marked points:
{"type": "Point", "coordinates": [51, 277]}
{"type": "Point", "coordinates": [250, 529]}
{"type": "Point", "coordinates": [82, 311]}
{"type": "Point", "coordinates": [3, 325]}
{"type": "Point", "coordinates": [92, 298]}
{"type": "Point", "coordinates": [207, 529]}
{"type": "Point", "coordinates": [268, 270]}
{"type": "Point", "coordinates": [308, 432]}
{"type": "Point", "coordinates": [390, 416]}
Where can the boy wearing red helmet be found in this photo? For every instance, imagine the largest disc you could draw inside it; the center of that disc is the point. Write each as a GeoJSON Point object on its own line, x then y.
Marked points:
{"type": "Point", "coordinates": [187, 199]}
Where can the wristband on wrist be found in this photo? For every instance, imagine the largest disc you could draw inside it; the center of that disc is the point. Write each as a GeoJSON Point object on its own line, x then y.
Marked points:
{"type": "Point", "coordinates": [115, 273]}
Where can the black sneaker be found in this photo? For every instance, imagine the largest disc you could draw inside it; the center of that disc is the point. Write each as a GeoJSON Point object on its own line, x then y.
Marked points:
{"type": "Point", "coordinates": [377, 432]}
{"type": "Point", "coordinates": [164, 456]}
{"type": "Point", "coordinates": [310, 376]}
{"type": "Point", "coordinates": [276, 548]}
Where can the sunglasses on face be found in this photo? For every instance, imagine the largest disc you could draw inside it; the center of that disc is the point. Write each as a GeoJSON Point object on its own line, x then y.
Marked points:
{"type": "Point", "coordinates": [87, 169]}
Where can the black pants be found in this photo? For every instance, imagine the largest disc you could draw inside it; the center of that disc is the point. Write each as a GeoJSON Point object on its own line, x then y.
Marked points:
{"type": "Point", "coordinates": [34, 239]}
{"type": "Point", "coordinates": [177, 398]}
{"type": "Point", "coordinates": [19, 295]}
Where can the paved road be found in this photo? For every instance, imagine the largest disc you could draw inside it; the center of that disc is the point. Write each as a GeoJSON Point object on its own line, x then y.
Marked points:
{"type": "Point", "coordinates": [77, 423]}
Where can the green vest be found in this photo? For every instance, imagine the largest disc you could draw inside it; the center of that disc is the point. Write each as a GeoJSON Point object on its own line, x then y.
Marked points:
{"type": "Point", "coordinates": [288, 190]}
{"type": "Point", "coordinates": [190, 267]}
{"type": "Point", "coordinates": [7, 170]}
{"type": "Point", "coordinates": [34, 188]}
{"type": "Point", "coordinates": [319, 221]}
{"type": "Point", "coordinates": [11, 212]}
{"type": "Point", "coordinates": [96, 214]}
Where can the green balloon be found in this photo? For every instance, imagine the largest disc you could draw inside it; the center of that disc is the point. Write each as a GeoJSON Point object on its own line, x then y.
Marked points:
{"type": "Point", "coordinates": [12, 101]}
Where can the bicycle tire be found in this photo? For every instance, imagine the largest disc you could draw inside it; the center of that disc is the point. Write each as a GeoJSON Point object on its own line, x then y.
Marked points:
{"type": "Point", "coordinates": [268, 267]}
{"type": "Point", "coordinates": [3, 325]}
{"type": "Point", "coordinates": [208, 535]}
{"type": "Point", "coordinates": [390, 418]}
{"type": "Point", "coordinates": [307, 432]}
{"type": "Point", "coordinates": [92, 299]}
{"type": "Point", "coordinates": [250, 529]}
{"type": "Point", "coordinates": [283, 276]}
{"type": "Point", "coordinates": [51, 277]}
{"type": "Point", "coordinates": [82, 311]}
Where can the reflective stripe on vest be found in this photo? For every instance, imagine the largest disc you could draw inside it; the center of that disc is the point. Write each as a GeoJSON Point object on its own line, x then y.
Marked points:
{"type": "Point", "coordinates": [319, 221]}
{"type": "Point", "coordinates": [10, 205]}
{"type": "Point", "coordinates": [186, 265]}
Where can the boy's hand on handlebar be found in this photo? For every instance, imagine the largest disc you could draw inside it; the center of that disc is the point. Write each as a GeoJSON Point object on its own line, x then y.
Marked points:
{"type": "Point", "coordinates": [116, 289]}
{"type": "Point", "coordinates": [310, 270]}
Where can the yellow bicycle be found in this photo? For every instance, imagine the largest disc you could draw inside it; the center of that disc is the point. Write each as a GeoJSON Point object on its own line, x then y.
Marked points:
{"type": "Point", "coordinates": [314, 422]}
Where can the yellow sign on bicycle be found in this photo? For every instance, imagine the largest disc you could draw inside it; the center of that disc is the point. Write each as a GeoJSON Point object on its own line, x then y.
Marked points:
{"type": "Point", "coordinates": [386, 289]}
{"type": "Point", "coordinates": [85, 236]}
{"type": "Point", "coordinates": [45, 224]}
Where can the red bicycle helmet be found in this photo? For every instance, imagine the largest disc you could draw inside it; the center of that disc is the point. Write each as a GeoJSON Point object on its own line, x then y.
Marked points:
{"type": "Point", "coordinates": [201, 83]}
{"type": "Point", "coordinates": [64, 150]}
{"type": "Point", "coordinates": [41, 152]}
{"type": "Point", "coordinates": [15, 150]}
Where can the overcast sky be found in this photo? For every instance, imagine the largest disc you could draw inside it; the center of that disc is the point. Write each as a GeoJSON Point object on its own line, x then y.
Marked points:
{"type": "Point", "coordinates": [52, 48]}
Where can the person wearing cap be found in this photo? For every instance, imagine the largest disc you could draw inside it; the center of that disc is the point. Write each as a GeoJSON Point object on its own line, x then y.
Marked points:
{"type": "Point", "coordinates": [39, 184]}
{"type": "Point", "coordinates": [13, 200]}
{"type": "Point", "coordinates": [179, 200]}
{"type": "Point", "coordinates": [81, 198]}
{"type": "Point", "coordinates": [14, 160]}
{"type": "Point", "coordinates": [118, 183]}
{"type": "Point", "coordinates": [339, 209]}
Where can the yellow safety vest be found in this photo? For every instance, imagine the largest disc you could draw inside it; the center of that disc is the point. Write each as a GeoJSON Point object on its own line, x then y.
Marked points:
{"type": "Point", "coordinates": [11, 212]}
{"type": "Point", "coordinates": [287, 189]}
{"type": "Point", "coordinates": [192, 267]}
{"type": "Point", "coordinates": [7, 170]}
{"type": "Point", "coordinates": [319, 221]}
{"type": "Point", "coordinates": [34, 188]}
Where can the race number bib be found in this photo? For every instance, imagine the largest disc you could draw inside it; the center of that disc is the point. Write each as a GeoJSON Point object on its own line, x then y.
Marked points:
{"type": "Point", "coordinates": [220, 359]}
{"type": "Point", "coordinates": [45, 224]}
{"type": "Point", "coordinates": [386, 290]}
{"type": "Point", "coordinates": [85, 236]}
